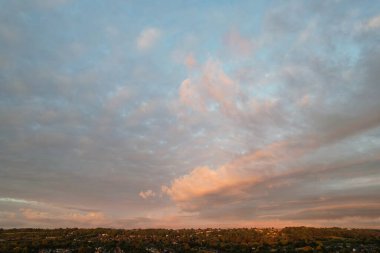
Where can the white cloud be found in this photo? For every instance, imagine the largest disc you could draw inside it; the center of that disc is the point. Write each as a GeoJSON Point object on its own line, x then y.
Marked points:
{"type": "Point", "coordinates": [18, 201]}
{"type": "Point", "coordinates": [147, 194]}
{"type": "Point", "coordinates": [147, 38]}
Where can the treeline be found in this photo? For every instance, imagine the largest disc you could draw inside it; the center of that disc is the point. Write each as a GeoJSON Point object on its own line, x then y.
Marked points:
{"type": "Point", "coordinates": [289, 239]}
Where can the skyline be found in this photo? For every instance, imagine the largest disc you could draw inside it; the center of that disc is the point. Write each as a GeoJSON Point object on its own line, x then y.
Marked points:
{"type": "Point", "coordinates": [143, 114]}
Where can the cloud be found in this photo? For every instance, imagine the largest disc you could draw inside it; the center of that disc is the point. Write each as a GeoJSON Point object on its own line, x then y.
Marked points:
{"type": "Point", "coordinates": [317, 194]}
{"type": "Point", "coordinates": [20, 201]}
{"type": "Point", "coordinates": [147, 194]}
{"type": "Point", "coordinates": [147, 38]}
{"type": "Point", "coordinates": [238, 44]}
{"type": "Point", "coordinates": [203, 181]}
{"type": "Point", "coordinates": [31, 214]}
{"type": "Point", "coordinates": [313, 121]}
{"type": "Point", "coordinates": [366, 210]}
{"type": "Point", "coordinates": [7, 215]}
{"type": "Point", "coordinates": [304, 101]}
{"type": "Point", "coordinates": [117, 99]}
{"type": "Point", "coordinates": [85, 219]}
{"type": "Point", "coordinates": [232, 178]}
{"type": "Point", "coordinates": [373, 23]}
{"type": "Point", "coordinates": [211, 90]}
{"type": "Point", "coordinates": [190, 61]}
{"type": "Point", "coordinates": [42, 214]}
{"type": "Point", "coordinates": [204, 188]}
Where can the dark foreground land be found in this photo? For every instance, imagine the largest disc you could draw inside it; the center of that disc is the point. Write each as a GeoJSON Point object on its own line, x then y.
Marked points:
{"type": "Point", "coordinates": [293, 239]}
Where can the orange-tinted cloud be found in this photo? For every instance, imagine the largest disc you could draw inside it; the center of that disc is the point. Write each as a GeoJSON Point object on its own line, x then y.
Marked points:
{"type": "Point", "coordinates": [230, 178]}
{"type": "Point", "coordinates": [212, 90]}
{"type": "Point", "coordinates": [190, 61]}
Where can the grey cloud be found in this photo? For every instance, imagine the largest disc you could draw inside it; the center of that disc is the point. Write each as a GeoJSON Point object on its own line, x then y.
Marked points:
{"type": "Point", "coordinates": [316, 187]}
{"type": "Point", "coordinates": [339, 212]}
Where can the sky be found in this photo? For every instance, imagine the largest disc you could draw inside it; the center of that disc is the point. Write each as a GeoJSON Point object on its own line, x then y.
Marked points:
{"type": "Point", "coordinates": [179, 114]}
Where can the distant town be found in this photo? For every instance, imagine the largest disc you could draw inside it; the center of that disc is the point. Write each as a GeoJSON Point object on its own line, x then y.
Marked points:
{"type": "Point", "coordinates": [212, 240]}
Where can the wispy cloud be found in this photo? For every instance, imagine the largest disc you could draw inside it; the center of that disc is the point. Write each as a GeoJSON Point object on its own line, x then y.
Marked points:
{"type": "Point", "coordinates": [19, 201]}
{"type": "Point", "coordinates": [147, 194]}
{"type": "Point", "coordinates": [147, 38]}
{"type": "Point", "coordinates": [211, 90]}
{"type": "Point", "coordinates": [373, 23]}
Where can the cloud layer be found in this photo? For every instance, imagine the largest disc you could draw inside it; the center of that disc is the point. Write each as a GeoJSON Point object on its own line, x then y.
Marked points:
{"type": "Point", "coordinates": [189, 114]}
